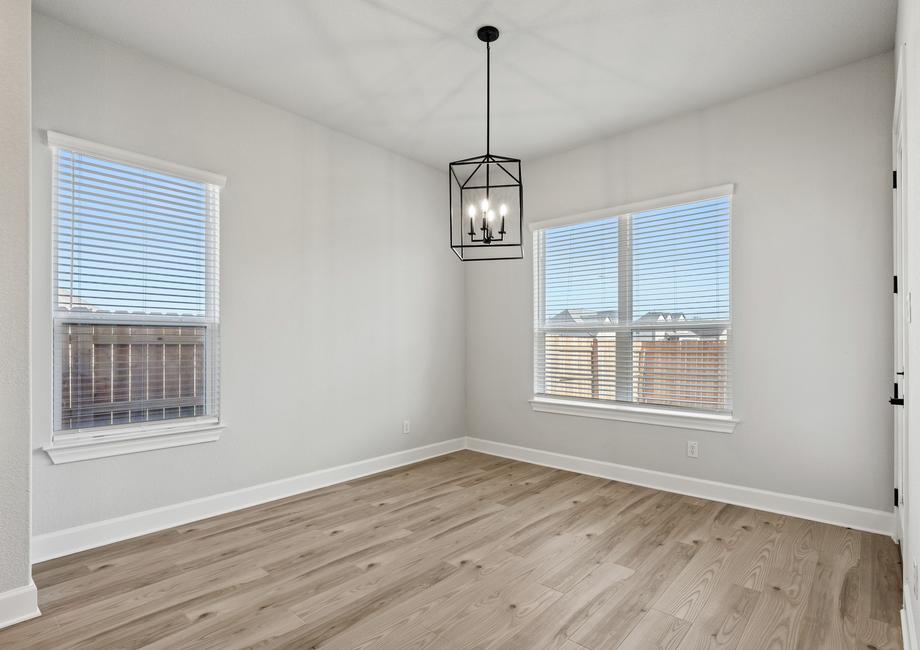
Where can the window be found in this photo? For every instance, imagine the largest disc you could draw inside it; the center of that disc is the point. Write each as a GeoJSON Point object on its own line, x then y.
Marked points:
{"type": "Point", "coordinates": [135, 307]}
{"type": "Point", "coordinates": [633, 306]}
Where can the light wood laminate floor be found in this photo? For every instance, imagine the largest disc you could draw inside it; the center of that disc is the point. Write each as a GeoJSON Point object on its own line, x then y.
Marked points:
{"type": "Point", "coordinates": [470, 550]}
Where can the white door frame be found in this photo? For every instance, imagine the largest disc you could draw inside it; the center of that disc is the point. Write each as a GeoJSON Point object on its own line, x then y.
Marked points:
{"type": "Point", "coordinates": [901, 305]}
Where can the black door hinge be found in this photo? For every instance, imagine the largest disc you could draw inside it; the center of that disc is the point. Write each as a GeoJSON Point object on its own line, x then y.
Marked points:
{"type": "Point", "coordinates": [895, 283]}
{"type": "Point", "coordinates": [894, 179]}
{"type": "Point", "coordinates": [896, 401]}
{"type": "Point", "coordinates": [897, 502]}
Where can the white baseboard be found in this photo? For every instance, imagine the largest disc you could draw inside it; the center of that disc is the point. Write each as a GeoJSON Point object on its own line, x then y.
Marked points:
{"type": "Point", "coordinates": [17, 605]}
{"type": "Point", "coordinates": [80, 538]}
{"type": "Point", "coordinates": [908, 631]}
{"type": "Point", "coordinates": [875, 521]}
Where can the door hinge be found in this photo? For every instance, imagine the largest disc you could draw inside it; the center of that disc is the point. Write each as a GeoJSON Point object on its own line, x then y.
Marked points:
{"type": "Point", "coordinates": [895, 283]}
{"type": "Point", "coordinates": [896, 401]}
{"type": "Point", "coordinates": [894, 179]}
{"type": "Point", "coordinates": [897, 501]}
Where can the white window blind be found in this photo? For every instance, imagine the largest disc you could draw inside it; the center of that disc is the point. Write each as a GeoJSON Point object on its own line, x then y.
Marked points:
{"type": "Point", "coordinates": [635, 308]}
{"type": "Point", "coordinates": [136, 290]}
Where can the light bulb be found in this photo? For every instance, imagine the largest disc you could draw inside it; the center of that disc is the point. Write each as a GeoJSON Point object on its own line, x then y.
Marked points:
{"type": "Point", "coordinates": [471, 211]}
{"type": "Point", "coordinates": [503, 209]}
{"type": "Point", "coordinates": [484, 205]}
{"type": "Point", "coordinates": [490, 215]}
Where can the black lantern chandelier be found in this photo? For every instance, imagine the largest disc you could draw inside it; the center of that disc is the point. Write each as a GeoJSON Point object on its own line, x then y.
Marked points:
{"type": "Point", "coordinates": [486, 195]}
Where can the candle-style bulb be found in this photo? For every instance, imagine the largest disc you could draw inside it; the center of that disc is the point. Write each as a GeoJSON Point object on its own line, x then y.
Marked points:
{"type": "Point", "coordinates": [484, 205]}
{"type": "Point", "coordinates": [471, 211]}
{"type": "Point", "coordinates": [491, 215]}
{"type": "Point", "coordinates": [503, 209]}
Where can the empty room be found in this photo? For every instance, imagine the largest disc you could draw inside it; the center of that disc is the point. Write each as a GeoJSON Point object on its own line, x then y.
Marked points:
{"type": "Point", "coordinates": [441, 324]}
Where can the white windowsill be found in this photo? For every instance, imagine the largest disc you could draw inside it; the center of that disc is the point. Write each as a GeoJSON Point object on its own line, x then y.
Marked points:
{"type": "Point", "coordinates": [132, 439]}
{"type": "Point", "coordinates": [642, 415]}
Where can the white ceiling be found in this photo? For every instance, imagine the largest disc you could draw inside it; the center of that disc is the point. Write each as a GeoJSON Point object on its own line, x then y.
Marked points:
{"type": "Point", "coordinates": [410, 74]}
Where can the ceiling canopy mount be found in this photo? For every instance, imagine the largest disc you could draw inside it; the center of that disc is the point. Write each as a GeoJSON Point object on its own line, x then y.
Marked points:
{"type": "Point", "coordinates": [488, 34]}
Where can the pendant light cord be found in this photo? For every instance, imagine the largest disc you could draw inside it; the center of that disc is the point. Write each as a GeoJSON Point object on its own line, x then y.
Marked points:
{"type": "Point", "coordinates": [488, 90]}
{"type": "Point", "coordinates": [488, 98]}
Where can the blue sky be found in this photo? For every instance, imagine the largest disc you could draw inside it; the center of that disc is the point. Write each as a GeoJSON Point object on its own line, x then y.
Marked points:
{"type": "Point", "coordinates": [135, 238]}
{"type": "Point", "coordinates": [680, 262]}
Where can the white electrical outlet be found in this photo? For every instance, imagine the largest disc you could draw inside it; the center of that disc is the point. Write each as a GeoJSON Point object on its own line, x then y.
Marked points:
{"type": "Point", "coordinates": [693, 449]}
{"type": "Point", "coordinates": [406, 427]}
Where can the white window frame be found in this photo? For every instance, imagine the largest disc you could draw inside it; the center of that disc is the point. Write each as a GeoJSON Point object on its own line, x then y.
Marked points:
{"type": "Point", "coordinates": [683, 418]}
{"type": "Point", "coordinates": [98, 442]}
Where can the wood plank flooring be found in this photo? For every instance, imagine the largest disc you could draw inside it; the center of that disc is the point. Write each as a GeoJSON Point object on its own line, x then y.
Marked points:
{"type": "Point", "coordinates": [470, 550]}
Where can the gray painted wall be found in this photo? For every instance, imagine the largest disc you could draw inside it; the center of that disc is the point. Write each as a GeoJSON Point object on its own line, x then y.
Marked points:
{"type": "Point", "coordinates": [15, 569]}
{"type": "Point", "coordinates": [811, 264]}
{"type": "Point", "coordinates": [341, 303]}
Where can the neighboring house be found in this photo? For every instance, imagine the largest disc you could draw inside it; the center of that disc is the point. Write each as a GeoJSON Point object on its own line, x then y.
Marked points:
{"type": "Point", "coordinates": [585, 317]}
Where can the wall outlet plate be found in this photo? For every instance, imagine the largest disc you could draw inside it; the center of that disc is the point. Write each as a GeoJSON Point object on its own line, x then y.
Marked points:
{"type": "Point", "coordinates": [406, 427]}
{"type": "Point", "coordinates": [693, 449]}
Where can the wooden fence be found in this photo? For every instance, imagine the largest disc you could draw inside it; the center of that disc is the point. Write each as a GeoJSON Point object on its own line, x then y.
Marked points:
{"type": "Point", "coordinates": [676, 371]}
{"type": "Point", "coordinates": [116, 374]}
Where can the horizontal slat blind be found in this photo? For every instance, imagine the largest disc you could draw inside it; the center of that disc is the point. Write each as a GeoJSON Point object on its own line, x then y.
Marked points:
{"type": "Point", "coordinates": [120, 374]}
{"type": "Point", "coordinates": [635, 308]}
{"type": "Point", "coordinates": [581, 273]}
{"type": "Point", "coordinates": [136, 293]}
{"type": "Point", "coordinates": [680, 261]}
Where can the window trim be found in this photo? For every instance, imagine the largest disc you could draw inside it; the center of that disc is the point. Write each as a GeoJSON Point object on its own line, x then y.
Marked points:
{"type": "Point", "coordinates": [87, 443]}
{"type": "Point", "coordinates": [681, 419]}
{"type": "Point", "coordinates": [685, 418]}
{"type": "Point", "coordinates": [728, 189]}
{"type": "Point", "coordinates": [120, 439]}
{"type": "Point", "coordinates": [57, 140]}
